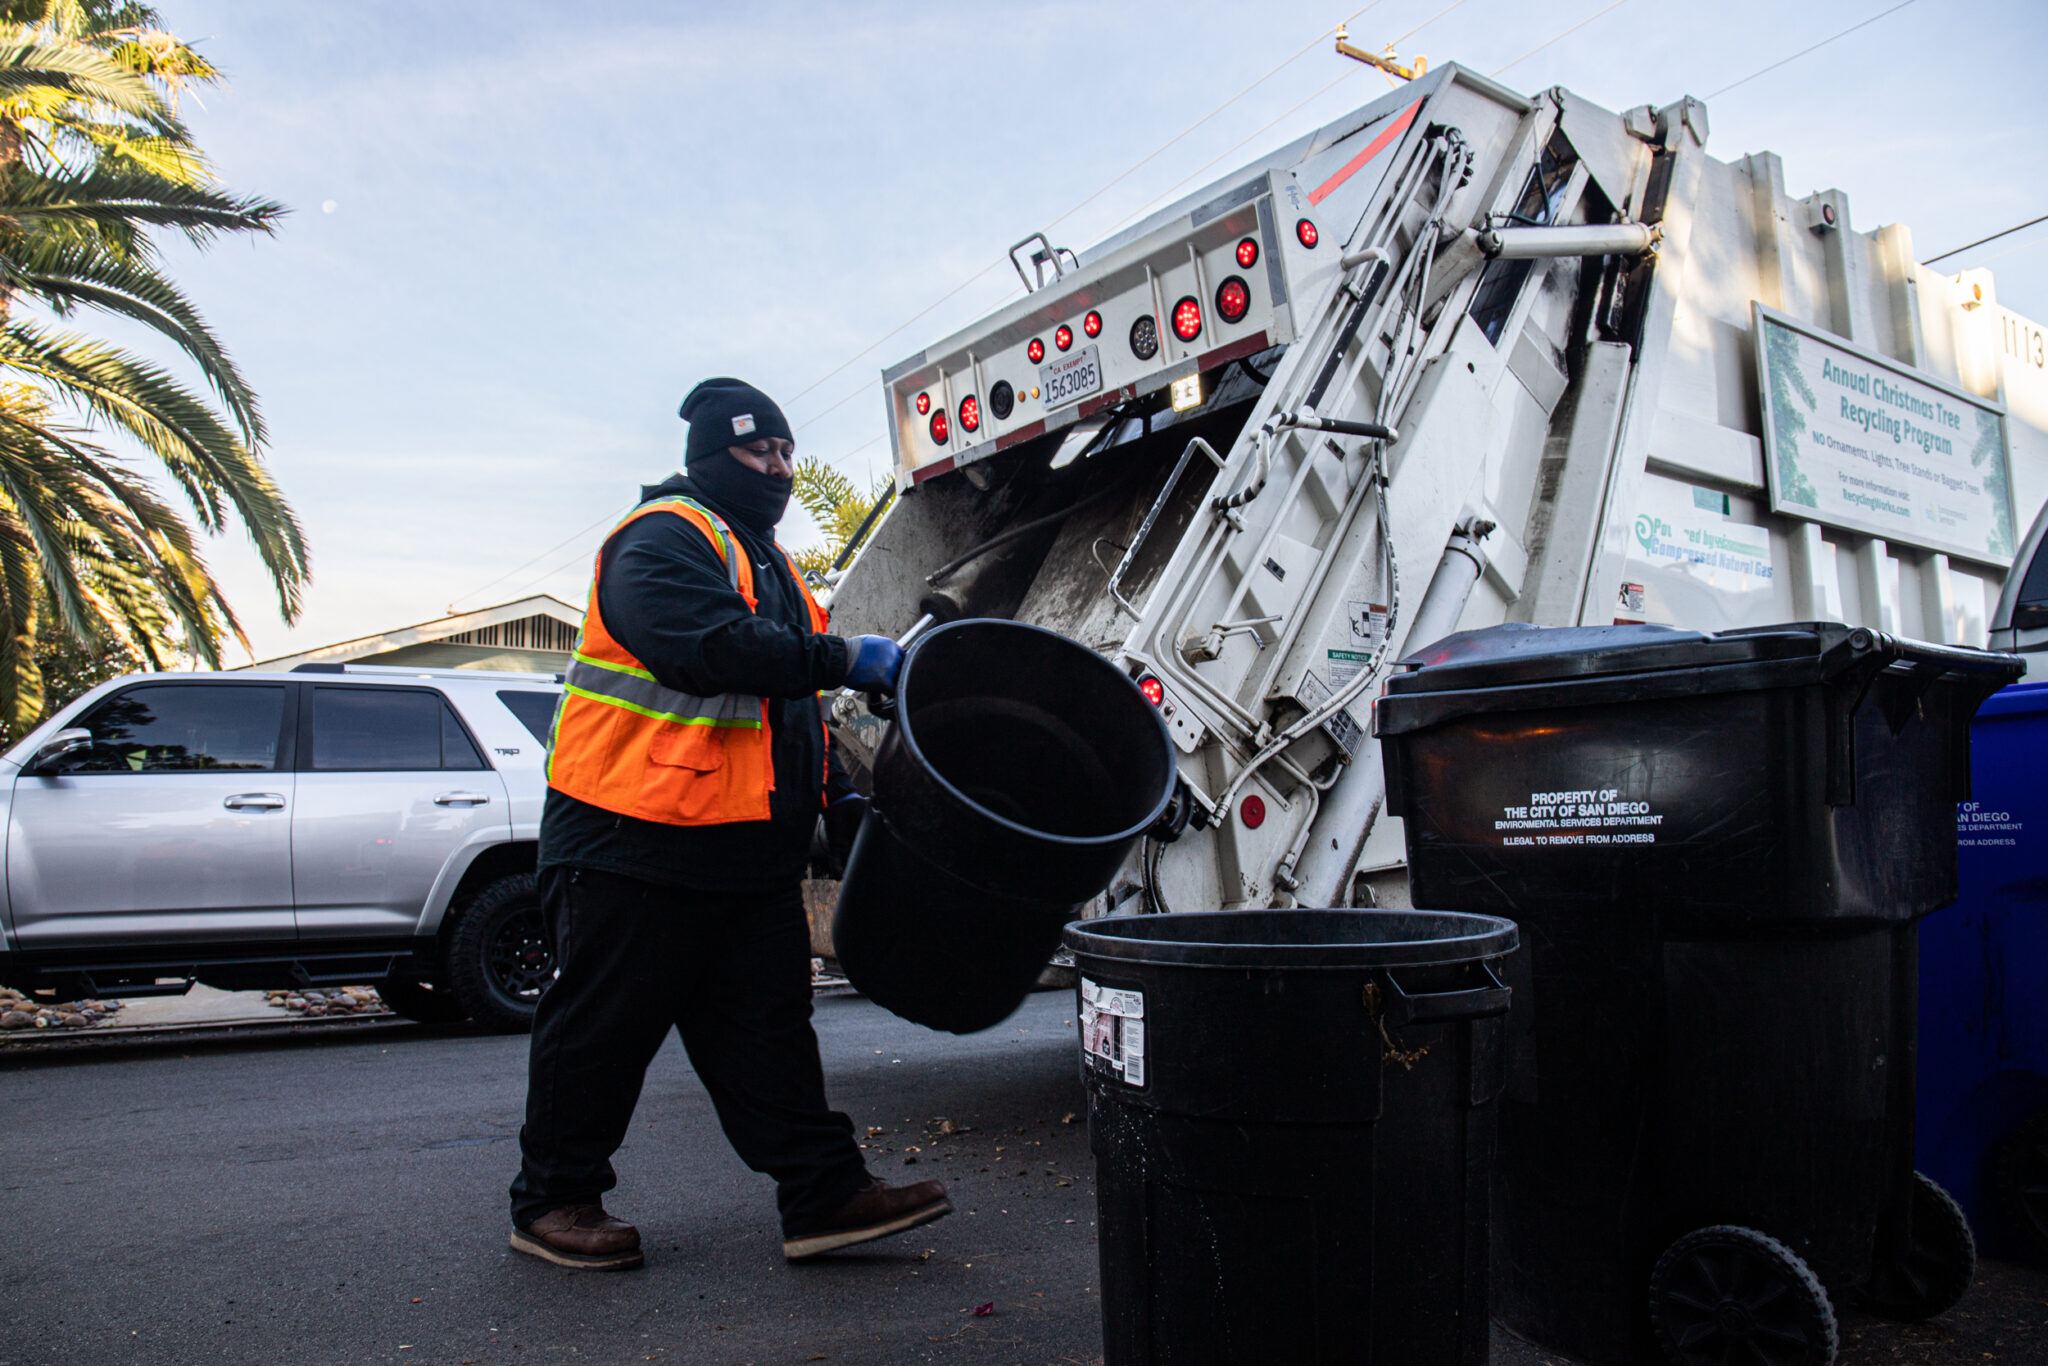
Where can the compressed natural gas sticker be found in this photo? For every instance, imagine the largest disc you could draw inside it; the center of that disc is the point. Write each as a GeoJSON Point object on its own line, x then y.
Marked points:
{"type": "Point", "coordinates": [1113, 1031]}
{"type": "Point", "coordinates": [1604, 815]}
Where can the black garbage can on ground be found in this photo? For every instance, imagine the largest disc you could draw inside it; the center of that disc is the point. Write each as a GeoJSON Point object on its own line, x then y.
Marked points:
{"type": "Point", "coordinates": [1718, 848]}
{"type": "Point", "coordinates": [1292, 1120]}
{"type": "Point", "coordinates": [1020, 768]}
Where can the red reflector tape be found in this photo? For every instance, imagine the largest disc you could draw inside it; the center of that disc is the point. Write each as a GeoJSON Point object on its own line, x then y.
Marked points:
{"type": "Point", "coordinates": [1372, 149]}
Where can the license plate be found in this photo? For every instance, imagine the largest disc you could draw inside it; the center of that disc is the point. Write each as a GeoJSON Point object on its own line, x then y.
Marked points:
{"type": "Point", "coordinates": [1078, 376]}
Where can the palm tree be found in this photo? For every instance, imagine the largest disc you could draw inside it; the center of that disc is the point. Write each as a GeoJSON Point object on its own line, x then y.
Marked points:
{"type": "Point", "coordinates": [93, 160]}
{"type": "Point", "coordinates": [835, 505]}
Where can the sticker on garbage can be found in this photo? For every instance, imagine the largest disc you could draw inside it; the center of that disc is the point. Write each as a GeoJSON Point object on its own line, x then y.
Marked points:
{"type": "Point", "coordinates": [1113, 1031]}
{"type": "Point", "coordinates": [1604, 815]}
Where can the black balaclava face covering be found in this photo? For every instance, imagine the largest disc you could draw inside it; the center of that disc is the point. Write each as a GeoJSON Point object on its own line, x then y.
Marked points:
{"type": "Point", "coordinates": [753, 499]}
{"type": "Point", "coordinates": [727, 412]}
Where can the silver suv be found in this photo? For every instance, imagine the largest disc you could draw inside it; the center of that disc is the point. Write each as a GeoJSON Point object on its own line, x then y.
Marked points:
{"type": "Point", "coordinates": [338, 824]}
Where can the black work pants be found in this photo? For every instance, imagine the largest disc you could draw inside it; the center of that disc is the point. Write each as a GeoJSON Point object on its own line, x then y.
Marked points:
{"type": "Point", "coordinates": [731, 972]}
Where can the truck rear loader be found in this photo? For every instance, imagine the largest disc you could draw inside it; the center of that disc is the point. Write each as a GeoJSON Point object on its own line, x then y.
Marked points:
{"type": "Point", "coordinates": [1461, 357]}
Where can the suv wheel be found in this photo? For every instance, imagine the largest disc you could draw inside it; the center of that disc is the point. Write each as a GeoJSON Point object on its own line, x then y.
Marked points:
{"type": "Point", "coordinates": [499, 957]}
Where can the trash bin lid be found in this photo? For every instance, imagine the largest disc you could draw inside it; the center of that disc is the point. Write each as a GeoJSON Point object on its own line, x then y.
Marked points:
{"type": "Point", "coordinates": [1517, 666]}
{"type": "Point", "coordinates": [2021, 699]}
{"type": "Point", "coordinates": [1494, 656]}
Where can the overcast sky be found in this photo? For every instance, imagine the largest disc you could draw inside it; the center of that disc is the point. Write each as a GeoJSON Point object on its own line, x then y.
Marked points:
{"type": "Point", "coordinates": [522, 231]}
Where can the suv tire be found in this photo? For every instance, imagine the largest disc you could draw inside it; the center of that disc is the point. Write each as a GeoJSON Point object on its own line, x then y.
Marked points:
{"type": "Point", "coordinates": [499, 956]}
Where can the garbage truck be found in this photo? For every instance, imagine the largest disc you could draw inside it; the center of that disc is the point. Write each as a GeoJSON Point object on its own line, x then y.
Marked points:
{"type": "Point", "coordinates": [1461, 357]}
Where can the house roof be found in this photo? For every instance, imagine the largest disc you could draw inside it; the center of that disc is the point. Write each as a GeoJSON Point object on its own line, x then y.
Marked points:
{"type": "Point", "coordinates": [426, 632]}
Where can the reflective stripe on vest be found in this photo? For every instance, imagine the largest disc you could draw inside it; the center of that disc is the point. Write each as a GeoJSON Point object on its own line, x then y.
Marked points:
{"type": "Point", "coordinates": [622, 685]}
{"type": "Point", "coordinates": [624, 742]}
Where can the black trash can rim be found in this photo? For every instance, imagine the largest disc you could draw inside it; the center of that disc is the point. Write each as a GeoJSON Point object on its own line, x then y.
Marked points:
{"type": "Point", "coordinates": [908, 676]}
{"type": "Point", "coordinates": [1465, 938]}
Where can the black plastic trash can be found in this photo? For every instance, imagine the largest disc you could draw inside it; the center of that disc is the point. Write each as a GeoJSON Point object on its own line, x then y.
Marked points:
{"type": "Point", "coordinates": [1292, 1120]}
{"type": "Point", "coordinates": [1020, 768]}
{"type": "Point", "coordinates": [1718, 848]}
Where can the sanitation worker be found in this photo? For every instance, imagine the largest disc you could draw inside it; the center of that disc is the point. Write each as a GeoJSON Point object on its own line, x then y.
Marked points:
{"type": "Point", "coordinates": [689, 765]}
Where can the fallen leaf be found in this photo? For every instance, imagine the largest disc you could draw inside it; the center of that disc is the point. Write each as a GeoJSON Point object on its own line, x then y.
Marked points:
{"type": "Point", "coordinates": [982, 1311]}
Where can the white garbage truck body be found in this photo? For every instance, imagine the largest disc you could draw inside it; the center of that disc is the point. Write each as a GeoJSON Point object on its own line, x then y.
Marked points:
{"type": "Point", "coordinates": [1460, 358]}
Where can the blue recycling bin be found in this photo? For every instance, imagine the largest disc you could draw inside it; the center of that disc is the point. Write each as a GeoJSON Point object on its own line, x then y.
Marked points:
{"type": "Point", "coordinates": [1981, 1121]}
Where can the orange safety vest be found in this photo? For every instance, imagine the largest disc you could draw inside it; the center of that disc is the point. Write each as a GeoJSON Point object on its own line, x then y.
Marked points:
{"type": "Point", "coordinates": [624, 742]}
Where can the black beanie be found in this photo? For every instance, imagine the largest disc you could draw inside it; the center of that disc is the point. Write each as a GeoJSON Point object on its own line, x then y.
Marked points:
{"type": "Point", "coordinates": [729, 412]}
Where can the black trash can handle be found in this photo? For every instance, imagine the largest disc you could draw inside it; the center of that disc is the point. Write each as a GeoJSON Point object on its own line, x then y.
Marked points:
{"type": "Point", "coordinates": [1183, 811]}
{"type": "Point", "coordinates": [1472, 1003]}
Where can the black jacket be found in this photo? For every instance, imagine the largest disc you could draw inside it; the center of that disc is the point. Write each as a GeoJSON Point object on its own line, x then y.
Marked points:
{"type": "Point", "coordinates": [666, 597]}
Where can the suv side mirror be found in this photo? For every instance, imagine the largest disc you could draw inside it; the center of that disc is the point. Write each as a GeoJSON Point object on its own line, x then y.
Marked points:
{"type": "Point", "coordinates": [57, 746]}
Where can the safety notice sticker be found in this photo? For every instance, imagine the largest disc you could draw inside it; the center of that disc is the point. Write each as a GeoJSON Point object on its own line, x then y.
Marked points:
{"type": "Point", "coordinates": [1604, 815]}
{"type": "Point", "coordinates": [1113, 1031]}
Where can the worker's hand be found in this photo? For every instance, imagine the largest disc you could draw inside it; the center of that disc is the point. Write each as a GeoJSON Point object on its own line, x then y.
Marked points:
{"type": "Point", "coordinates": [876, 660]}
{"type": "Point", "coordinates": [842, 823]}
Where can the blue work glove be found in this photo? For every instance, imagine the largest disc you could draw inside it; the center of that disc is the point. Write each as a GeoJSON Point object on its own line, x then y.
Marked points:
{"type": "Point", "coordinates": [876, 660]}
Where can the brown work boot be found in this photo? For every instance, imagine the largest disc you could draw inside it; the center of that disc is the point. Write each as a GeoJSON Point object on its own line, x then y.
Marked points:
{"type": "Point", "coordinates": [583, 1237]}
{"type": "Point", "coordinates": [876, 1211]}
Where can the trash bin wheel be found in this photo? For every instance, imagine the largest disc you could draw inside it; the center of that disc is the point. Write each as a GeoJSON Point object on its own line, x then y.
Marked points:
{"type": "Point", "coordinates": [1939, 1261]}
{"type": "Point", "coordinates": [1732, 1294]}
{"type": "Point", "coordinates": [2022, 1177]}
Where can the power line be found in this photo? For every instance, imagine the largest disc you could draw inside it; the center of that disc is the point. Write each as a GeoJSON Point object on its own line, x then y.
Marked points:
{"type": "Point", "coordinates": [1815, 48]}
{"type": "Point", "coordinates": [2012, 251]}
{"type": "Point", "coordinates": [1125, 174]}
{"type": "Point", "coordinates": [1175, 188]}
{"type": "Point", "coordinates": [574, 535]}
{"type": "Point", "coordinates": [1559, 37]}
{"type": "Point", "coordinates": [607, 519]}
{"type": "Point", "coordinates": [1419, 27]}
{"type": "Point", "coordinates": [2006, 232]}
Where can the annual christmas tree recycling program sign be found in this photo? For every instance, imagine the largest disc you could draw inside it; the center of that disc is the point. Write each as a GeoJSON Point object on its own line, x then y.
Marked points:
{"type": "Point", "coordinates": [1855, 441]}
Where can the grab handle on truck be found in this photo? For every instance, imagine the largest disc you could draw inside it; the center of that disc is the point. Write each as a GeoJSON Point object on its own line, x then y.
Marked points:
{"type": "Point", "coordinates": [1145, 528]}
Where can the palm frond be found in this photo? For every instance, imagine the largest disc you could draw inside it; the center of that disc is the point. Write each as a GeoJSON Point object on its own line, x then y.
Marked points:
{"type": "Point", "coordinates": [65, 272]}
{"type": "Point", "coordinates": [29, 63]}
{"type": "Point", "coordinates": [125, 195]}
{"type": "Point", "coordinates": [210, 465]}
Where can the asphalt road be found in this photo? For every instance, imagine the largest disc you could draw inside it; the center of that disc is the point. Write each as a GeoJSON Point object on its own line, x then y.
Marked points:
{"type": "Point", "coordinates": [338, 1197]}
{"type": "Point", "coordinates": [344, 1201]}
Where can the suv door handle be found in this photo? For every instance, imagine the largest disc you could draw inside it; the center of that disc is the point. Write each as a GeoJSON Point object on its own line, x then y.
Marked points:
{"type": "Point", "coordinates": [268, 801]}
{"type": "Point", "coordinates": [461, 799]}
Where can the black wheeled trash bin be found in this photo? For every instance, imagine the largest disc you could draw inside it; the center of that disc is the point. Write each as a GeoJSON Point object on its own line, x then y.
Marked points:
{"type": "Point", "coordinates": [1718, 848]}
{"type": "Point", "coordinates": [1292, 1120]}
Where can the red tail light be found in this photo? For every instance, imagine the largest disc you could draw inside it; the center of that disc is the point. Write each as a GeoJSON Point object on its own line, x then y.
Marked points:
{"type": "Point", "coordinates": [1063, 336]}
{"type": "Point", "coordinates": [1035, 351]}
{"type": "Point", "coordinates": [970, 413]}
{"type": "Point", "coordinates": [924, 404]}
{"type": "Point", "coordinates": [1233, 300]}
{"type": "Point", "coordinates": [1154, 690]}
{"type": "Point", "coordinates": [1092, 324]}
{"type": "Point", "coordinates": [1248, 253]}
{"type": "Point", "coordinates": [939, 428]}
{"type": "Point", "coordinates": [1305, 232]}
{"type": "Point", "coordinates": [1187, 319]}
{"type": "Point", "coordinates": [1252, 812]}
